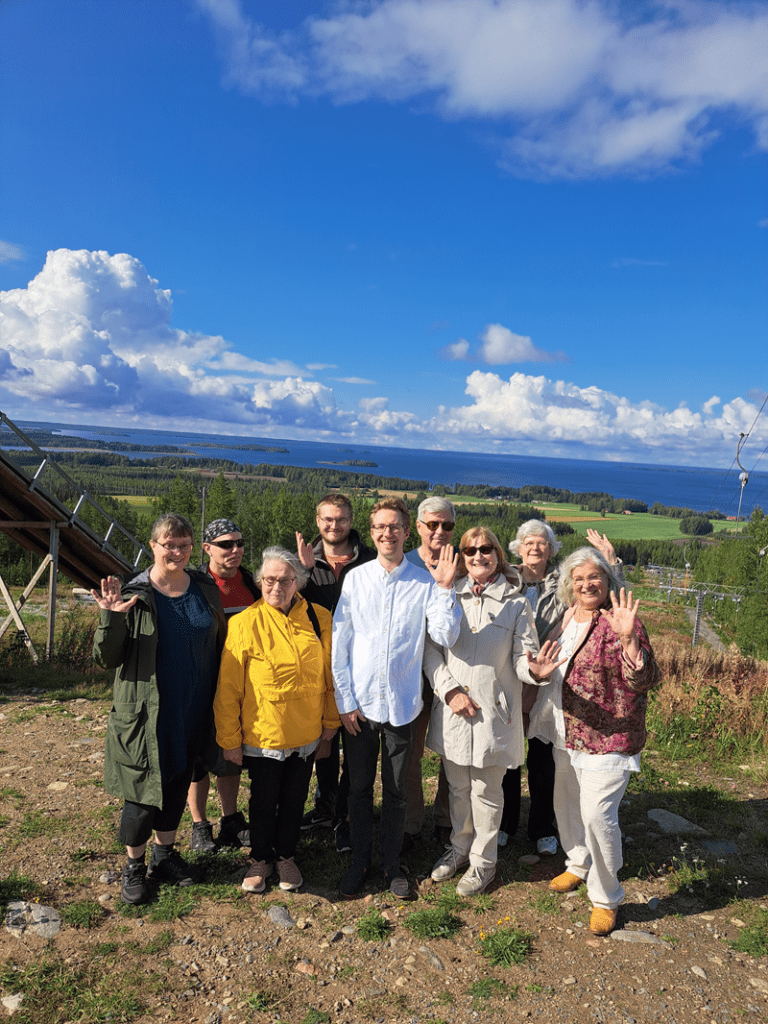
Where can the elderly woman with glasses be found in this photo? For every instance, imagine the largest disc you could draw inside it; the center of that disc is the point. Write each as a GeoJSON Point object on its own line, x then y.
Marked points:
{"type": "Point", "coordinates": [275, 710]}
{"type": "Point", "coordinates": [476, 723]}
{"type": "Point", "coordinates": [162, 630]}
{"type": "Point", "coordinates": [536, 546]}
{"type": "Point", "coordinates": [594, 714]}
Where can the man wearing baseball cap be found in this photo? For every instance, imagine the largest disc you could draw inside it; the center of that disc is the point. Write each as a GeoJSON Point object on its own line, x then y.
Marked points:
{"type": "Point", "coordinates": [223, 543]}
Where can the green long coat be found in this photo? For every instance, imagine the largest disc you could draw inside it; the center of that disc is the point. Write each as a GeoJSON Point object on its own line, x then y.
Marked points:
{"type": "Point", "coordinates": [127, 642]}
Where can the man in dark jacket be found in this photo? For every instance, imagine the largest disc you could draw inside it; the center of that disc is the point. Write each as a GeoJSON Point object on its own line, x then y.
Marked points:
{"type": "Point", "coordinates": [223, 543]}
{"type": "Point", "coordinates": [335, 551]}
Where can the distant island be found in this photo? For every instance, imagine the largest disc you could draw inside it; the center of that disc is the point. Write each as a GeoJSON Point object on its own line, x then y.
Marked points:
{"type": "Point", "coordinates": [238, 447]}
{"type": "Point", "coordinates": [47, 439]}
{"type": "Point", "coordinates": [349, 462]}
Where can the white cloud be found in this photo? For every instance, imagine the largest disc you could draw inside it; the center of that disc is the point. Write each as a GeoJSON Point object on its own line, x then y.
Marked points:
{"type": "Point", "coordinates": [353, 380]}
{"type": "Point", "coordinates": [583, 87]}
{"type": "Point", "coordinates": [544, 416]}
{"type": "Point", "coordinates": [10, 253]}
{"type": "Point", "coordinates": [90, 341]}
{"type": "Point", "coordinates": [91, 334]}
{"type": "Point", "coordinates": [500, 346]}
{"type": "Point", "coordinates": [458, 350]}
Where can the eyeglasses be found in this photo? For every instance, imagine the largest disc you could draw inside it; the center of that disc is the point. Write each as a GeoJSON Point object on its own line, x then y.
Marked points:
{"type": "Point", "coordinates": [333, 522]}
{"type": "Point", "coordinates": [283, 582]}
{"type": "Point", "coordinates": [484, 549]}
{"type": "Point", "coordinates": [228, 544]}
{"type": "Point", "coordinates": [445, 527]}
{"type": "Point", "coordinates": [384, 527]}
{"type": "Point", "coordinates": [183, 548]}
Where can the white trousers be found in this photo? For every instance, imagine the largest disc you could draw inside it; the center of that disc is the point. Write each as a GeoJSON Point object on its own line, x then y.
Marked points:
{"type": "Point", "coordinates": [476, 801]}
{"type": "Point", "coordinates": [587, 811]}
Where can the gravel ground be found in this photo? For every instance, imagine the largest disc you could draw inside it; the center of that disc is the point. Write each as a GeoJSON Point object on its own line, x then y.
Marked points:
{"type": "Point", "coordinates": [299, 957]}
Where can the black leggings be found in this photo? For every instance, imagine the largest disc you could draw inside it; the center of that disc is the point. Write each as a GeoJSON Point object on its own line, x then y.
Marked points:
{"type": "Point", "coordinates": [138, 820]}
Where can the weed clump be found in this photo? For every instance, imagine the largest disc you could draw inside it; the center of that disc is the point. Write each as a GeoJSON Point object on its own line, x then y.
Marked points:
{"type": "Point", "coordinates": [435, 923]}
{"type": "Point", "coordinates": [505, 945]}
{"type": "Point", "coordinates": [372, 926]}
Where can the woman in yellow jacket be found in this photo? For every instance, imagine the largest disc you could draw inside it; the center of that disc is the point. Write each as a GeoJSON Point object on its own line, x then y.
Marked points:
{"type": "Point", "coordinates": [275, 710]}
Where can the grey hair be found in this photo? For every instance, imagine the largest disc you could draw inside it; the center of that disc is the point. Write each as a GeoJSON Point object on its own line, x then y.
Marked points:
{"type": "Point", "coordinates": [538, 528]}
{"type": "Point", "coordinates": [434, 505]}
{"type": "Point", "coordinates": [277, 554]}
{"type": "Point", "coordinates": [581, 556]}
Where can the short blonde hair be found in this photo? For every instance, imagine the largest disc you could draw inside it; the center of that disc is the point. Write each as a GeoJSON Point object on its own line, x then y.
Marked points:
{"type": "Point", "coordinates": [488, 537]}
{"type": "Point", "coordinates": [393, 505]}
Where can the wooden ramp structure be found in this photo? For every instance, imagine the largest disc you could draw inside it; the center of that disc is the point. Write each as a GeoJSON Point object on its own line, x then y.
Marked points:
{"type": "Point", "coordinates": [45, 511]}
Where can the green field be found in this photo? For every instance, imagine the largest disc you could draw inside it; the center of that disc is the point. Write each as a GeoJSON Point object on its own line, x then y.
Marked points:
{"type": "Point", "coordinates": [638, 526]}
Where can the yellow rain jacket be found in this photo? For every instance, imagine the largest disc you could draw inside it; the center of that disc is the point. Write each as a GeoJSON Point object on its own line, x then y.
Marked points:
{"type": "Point", "coordinates": [275, 687]}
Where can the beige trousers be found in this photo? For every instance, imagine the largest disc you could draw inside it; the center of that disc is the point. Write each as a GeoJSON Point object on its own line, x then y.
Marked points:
{"type": "Point", "coordinates": [476, 801]}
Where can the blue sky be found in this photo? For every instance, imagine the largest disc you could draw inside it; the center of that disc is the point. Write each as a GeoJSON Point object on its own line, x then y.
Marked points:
{"type": "Point", "coordinates": [531, 226]}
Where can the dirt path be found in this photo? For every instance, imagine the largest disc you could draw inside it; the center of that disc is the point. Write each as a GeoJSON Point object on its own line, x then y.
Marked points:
{"type": "Point", "coordinates": [227, 960]}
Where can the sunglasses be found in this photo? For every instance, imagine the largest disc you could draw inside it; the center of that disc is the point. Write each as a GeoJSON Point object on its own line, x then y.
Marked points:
{"type": "Point", "coordinates": [228, 544]}
{"type": "Point", "coordinates": [484, 549]}
{"type": "Point", "coordinates": [445, 527]}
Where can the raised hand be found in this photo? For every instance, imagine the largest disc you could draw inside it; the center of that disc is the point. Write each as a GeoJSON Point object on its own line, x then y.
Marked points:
{"type": "Point", "coordinates": [543, 664]}
{"type": "Point", "coordinates": [444, 572]}
{"type": "Point", "coordinates": [622, 615]}
{"type": "Point", "coordinates": [602, 544]}
{"type": "Point", "coordinates": [305, 552]}
{"type": "Point", "coordinates": [110, 599]}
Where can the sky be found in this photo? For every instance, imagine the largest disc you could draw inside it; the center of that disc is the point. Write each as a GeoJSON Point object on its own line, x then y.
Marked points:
{"type": "Point", "coordinates": [526, 226]}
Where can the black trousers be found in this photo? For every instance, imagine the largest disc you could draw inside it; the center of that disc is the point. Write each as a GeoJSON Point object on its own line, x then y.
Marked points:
{"type": "Point", "coordinates": [540, 765]}
{"type": "Point", "coordinates": [276, 804]}
{"type": "Point", "coordinates": [362, 752]}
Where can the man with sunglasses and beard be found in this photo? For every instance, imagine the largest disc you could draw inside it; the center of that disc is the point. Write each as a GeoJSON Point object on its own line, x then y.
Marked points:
{"type": "Point", "coordinates": [223, 543]}
{"type": "Point", "coordinates": [435, 520]}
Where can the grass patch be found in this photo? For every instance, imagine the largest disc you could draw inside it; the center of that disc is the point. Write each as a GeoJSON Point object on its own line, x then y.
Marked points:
{"type": "Point", "coordinates": [483, 903]}
{"type": "Point", "coordinates": [505, 946]}
{"type": "Point", "coordinates": [435, 923]}
{"type": "Point", "coordinates": [547, 902]}
{"type": "Point", "coordinates": [752, 939]}
{"type": "Point", "coordinates": [82, 913]}
{"type": "Point", "coordinates": [261, 1001]}
{"type": "Point", "coordinates": [55, 992]}
{"type": "Point", "coordinates": [706, 881]}
{"type": "Point", "coordinates": [39, 823]}
{"type": "Point", "coordinates": [372, 926]}
{"type": "Point", "coordinates": [18, 887]}
{"type": "Point", "coordinates": [491, 988]}
{"type": "Point", "coordinates": [172, 903]}
{"type": "Point", "coordinates": [314, 1016]}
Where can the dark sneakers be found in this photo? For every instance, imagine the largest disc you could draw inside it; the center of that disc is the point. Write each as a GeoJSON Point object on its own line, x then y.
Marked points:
{"type": "Point", "coordinates": [352, 882]}
{"type": "Point", "coordinates": [170, 868]}
{"type": "Point", "coordinates": [343, 841]}
{"type": "Point", "coordinates": [202, 838]}
{"type": "Point", "coordinates": [134, 888]}
{"type": "Point", "coordinates": [398, 885]}
{"type": "Point", "coordinates": [234, 831]}
{"type": "Point", "coordinates": [316, 819]}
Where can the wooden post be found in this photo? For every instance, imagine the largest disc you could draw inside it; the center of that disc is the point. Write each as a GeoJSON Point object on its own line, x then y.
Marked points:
{"type": "Point", "coordinates": [52, 579]}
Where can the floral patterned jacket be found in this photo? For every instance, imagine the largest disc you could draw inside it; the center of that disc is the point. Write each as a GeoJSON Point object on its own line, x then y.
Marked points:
{"type": "Point", "coordinates": [604, 699]}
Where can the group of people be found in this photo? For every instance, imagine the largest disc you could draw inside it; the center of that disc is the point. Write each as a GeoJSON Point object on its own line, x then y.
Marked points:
{"type": "Point", "coordinates": [381, 653]}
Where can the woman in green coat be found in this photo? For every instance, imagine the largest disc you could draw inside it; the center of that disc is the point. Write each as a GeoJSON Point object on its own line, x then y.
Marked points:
{"type": "Point", "coordinates": [162, 631]}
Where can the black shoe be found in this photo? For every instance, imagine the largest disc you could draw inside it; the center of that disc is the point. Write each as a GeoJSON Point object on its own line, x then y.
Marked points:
{"type": "Point", "coordinates": [352, 882]}
{"type": "Point", "coordinates": [234, 831]}
{"type": "Point", "coordinates": [134, 888]}
{"type": "Point", "coordinates": [202, 838]}
{"type": "Point", "coordinates": [398, 885]}
{"type": "Point", "coordinates": [172, 869]}
{"type": "Point", "coordinates": [343, 842]}
{"type": "Point", "coordinates": [316, 819]}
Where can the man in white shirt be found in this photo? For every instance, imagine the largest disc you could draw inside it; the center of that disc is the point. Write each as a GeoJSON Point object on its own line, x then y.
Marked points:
{"type": "Point", "coordinates": [385, 610]}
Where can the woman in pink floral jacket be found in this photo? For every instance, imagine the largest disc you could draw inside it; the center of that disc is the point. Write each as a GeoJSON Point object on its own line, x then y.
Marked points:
{"type": "Point", "coordinates": [593, 711]}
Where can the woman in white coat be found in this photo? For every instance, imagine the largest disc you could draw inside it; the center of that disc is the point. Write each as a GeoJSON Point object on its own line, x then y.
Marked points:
{"type": "Point", "coordinates": [476, 723]}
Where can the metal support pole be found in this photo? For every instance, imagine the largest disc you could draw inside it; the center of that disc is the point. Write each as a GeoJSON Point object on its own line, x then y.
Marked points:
{"type": "Point", "coordinates": [697, 624]}
{"type": "Point", "coordinates": [52, 578]}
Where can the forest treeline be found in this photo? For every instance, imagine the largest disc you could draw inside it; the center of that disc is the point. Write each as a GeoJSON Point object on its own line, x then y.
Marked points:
{"type": "Point", "coordinates": [270, 511]}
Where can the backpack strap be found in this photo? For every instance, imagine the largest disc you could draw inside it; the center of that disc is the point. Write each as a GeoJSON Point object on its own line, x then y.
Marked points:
{"type": "Point", "coordinates": [313, 619]}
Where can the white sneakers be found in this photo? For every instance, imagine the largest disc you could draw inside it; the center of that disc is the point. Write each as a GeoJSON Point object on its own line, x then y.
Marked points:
{"type": "Point", "coordinates": [475, 880]}
{"type": "Point", "coordinates": [547, 846]}
{"type": "Point", "coordinates": [503, 838]}
{"type": "Point", "coordinates": [448, 865]}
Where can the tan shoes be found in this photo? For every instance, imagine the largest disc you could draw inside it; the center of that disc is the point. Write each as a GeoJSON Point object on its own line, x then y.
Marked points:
{"type": "Point", "coordinates": [566, 882]}
{"type": "Point", "coordinates": [602, 921]}
{"type": "Point", "coordinates": [256, 876]}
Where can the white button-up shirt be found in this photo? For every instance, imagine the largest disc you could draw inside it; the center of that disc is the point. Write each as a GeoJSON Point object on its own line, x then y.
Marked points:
{"type": "Point", "coordinates": [379, 628]}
